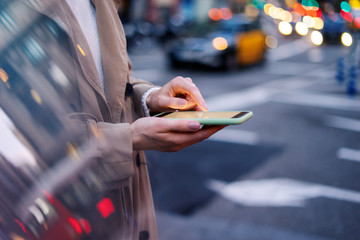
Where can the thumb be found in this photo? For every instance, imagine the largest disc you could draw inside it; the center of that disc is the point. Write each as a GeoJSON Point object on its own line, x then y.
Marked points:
{"type": "Point", "coordinates": [175, 125]}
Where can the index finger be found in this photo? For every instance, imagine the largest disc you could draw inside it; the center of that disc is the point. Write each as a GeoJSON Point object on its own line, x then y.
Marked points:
{"type": "Point", "coordinates": [188, 87]}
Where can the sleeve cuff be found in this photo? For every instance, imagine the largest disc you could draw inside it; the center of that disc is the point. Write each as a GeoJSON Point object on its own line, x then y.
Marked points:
{"type": "Point", "coordinates": [143, 100]}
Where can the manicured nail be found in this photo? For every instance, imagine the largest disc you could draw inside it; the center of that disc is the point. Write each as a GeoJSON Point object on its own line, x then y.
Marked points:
{"type": "Point", "coordinates": [182, 103]}
{"type": "Point", "coordinates": [194, 125]}
{"type": "Point", "coordinates": [205, 107]}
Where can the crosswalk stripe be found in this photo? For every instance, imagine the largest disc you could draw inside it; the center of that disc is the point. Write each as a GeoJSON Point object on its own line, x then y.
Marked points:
{"type": "Point", "coordinates": [319, 100]}
{"type": "Point", "coordinates": [343, 123]}
{"type": "Point", "coordinates": [348, 154]}
{"type": "Point", "coordinates": [288, 50]}
{"type": "Point", "coordinates": [257, 95]}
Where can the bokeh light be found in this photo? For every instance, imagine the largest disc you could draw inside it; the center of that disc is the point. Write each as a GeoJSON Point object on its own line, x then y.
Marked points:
{"type": "Point", "coordinates": [220, 43]}
{"type": "Point", "coordinates": [345, 6]}
{"type": "Point", "coordinates": [299, 9]}
{"type": "Point", "coordinates": [271, 42]}
{"type": "Point", "coordinates": [251, 11]}
{"type": "Point", "coordinates": [310, 4]}
{"type": "Point", "coordinates": [226, 13]}
{"type": "Point", "coordinates": [347, 16]}
{"type": "Point", "coordinates": [318, 23]}
{"type": "Point", "coordinates": [346, 39]}
{"type": "Point", "coordinates": [317, 38]}
{"type": "Point", "coordinates": [267, 8]}
{"type": "Point", "coordinates": [215, 14]}
{"type": "Point", "coordinates": [357, 22]}
{"type": "Point", "coordinates": [355, 4]}
{"type": "Point", "coordinates": [275, 12]}
{"type": "Point", "coordinates": [309, 21]}
{"type": "Point", "coordinates": [301, 28]}
{"type": "Point", "coordinates": [286, 16]}
{"type": "Point", "coordinates": [285, 28]}
{"type": "Point", "coordinates": [290, 3]}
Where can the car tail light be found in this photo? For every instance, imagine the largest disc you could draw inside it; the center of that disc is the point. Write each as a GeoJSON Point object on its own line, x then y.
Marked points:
{"type": "Point", "coordinates": [85, 225]}
{"type": "Point", "coordinates": [75, 224]}
{"type": "Point", "coordinates": [105, 207]}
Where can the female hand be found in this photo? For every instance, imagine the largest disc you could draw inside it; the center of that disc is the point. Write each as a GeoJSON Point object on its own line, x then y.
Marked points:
{"type": "Point", "coordinates": [178, 94]}
{"type": "Point", "coordinates": [168, 135]}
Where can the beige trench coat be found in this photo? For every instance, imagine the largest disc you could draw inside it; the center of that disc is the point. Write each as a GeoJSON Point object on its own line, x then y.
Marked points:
{"type": "Point", "coordinates": [108, 115]}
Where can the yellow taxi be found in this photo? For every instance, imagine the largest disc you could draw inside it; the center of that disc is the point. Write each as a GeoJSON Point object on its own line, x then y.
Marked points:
{"type": "Point", "coordinates": [233, 42]}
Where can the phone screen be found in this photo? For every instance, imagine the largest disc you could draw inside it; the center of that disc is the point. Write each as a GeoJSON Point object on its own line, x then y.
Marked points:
{"type": "Point", "coordinates": [204, 115]}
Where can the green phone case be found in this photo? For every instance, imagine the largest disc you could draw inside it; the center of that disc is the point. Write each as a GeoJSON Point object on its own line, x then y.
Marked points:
{"type": "Point", "coordinates": [244, 116]}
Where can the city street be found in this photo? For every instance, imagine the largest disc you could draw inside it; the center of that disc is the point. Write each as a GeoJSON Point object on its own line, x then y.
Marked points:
{"type": "Point", "coordinates": [291, 172]}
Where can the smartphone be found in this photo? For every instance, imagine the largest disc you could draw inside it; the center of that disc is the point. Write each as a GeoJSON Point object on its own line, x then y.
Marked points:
{"type": "Point", "coordinates": [210, 117]}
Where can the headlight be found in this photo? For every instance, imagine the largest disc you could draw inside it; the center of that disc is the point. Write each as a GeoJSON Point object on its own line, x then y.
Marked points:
{"type": "Point", "coordinates": [301, 28]}
{"type": "Point", "coordinates": [285, 28]}
{"type": "Point", "coordinates": [317, 38]}
{"type": "Point", "coordinates": [220, 43]}
{"type": "Point", "coordinates": [346, 39]}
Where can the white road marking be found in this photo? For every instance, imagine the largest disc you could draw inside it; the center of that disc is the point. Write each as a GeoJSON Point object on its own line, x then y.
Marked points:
{"type": "Point", "coordinates": [319, 100]}
{"type": "Point", "coordinates": [256, 95]}
{"type": "Point", "coordinates": [349, 154]}
{"type": "Point", "coordinates": [292, 68]}
{"type": "Point", "coordinates": [279, 192]}
{"type": "Point", "coordinates": [288, 50]}
{"type": "Point", "coordinates": [236, 136]}
{"type": "Point", "coordinates": [343, 123]}
{"type": "Point", "coordinates": [240, 100]}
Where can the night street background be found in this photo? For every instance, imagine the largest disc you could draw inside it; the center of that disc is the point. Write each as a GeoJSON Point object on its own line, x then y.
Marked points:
{"type": "Point", "coordinates": [290, 172]}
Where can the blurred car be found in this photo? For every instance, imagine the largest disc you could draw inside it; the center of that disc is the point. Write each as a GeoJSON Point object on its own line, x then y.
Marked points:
{"type": "Point", "coordinates": [50, 186]}
{"type": "Point", "coordinates": [231, 43]}
{"type": "Point", "coordinates": [334, 27]}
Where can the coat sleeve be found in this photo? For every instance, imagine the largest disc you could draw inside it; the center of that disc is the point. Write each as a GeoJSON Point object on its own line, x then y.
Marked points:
{"type": "Point", "coordinates": [111, 144]}
{"type": "Point", "coordinates": [140, 87]}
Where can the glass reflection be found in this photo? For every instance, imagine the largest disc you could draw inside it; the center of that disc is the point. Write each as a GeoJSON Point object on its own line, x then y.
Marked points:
{"type": "Point", "coordinates": [49, 182]}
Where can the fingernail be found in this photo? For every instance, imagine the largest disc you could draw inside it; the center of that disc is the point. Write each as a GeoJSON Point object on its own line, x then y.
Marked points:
{"type": "Point", "coordinates": [182, 103]}
{"type": "Point", "coordinates": [205, 107]}
{"type": "Point", "coordinates": [194, 125]}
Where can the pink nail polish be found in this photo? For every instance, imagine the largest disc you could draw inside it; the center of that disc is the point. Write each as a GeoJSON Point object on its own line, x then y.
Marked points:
{"type": "Point", "coordinates": [193, 125]}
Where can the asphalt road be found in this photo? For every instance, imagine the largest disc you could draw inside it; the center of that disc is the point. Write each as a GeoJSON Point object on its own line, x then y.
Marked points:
{"type": "Point", "coordinates": [290, 172]}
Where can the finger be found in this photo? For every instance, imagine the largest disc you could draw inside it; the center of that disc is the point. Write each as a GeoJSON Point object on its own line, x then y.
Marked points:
{"type": "Point", "coordinates": [176, 125]}
{"type": "Point", "coordinates": [174, 103]}
{"type": "Point", "coordinates": [188, 88]}
{"type": "Point", "coordinates": [188, 139]}
{"type": "Point", "coordinates": [188, 79]}
{"type": "Point", "coordinates": [197, 109]}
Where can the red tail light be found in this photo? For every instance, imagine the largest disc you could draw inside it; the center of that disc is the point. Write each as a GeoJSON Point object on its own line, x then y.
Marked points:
{"type": "Point", "coordinates": [75, 224]}
{"type": "Point", "coordinates": [105, 207]}
{"type": "Point", "coordinates": [85, 225]}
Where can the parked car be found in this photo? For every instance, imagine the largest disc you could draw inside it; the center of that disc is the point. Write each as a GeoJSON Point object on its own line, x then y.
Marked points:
{"type": "Point", "coordinates": [230, 43]}
{"type": "Point", "coordinates": [50, 186]}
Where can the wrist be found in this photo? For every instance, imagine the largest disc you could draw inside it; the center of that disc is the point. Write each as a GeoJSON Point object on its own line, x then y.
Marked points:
{"type": "Point", "coordinates": [146, 100]}
{"type": "Point", "coordinates": [150, 97]}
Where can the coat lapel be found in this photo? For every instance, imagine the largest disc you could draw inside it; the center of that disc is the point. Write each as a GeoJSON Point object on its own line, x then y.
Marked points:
{"type": "Point", "coordinates": [113, 54]}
